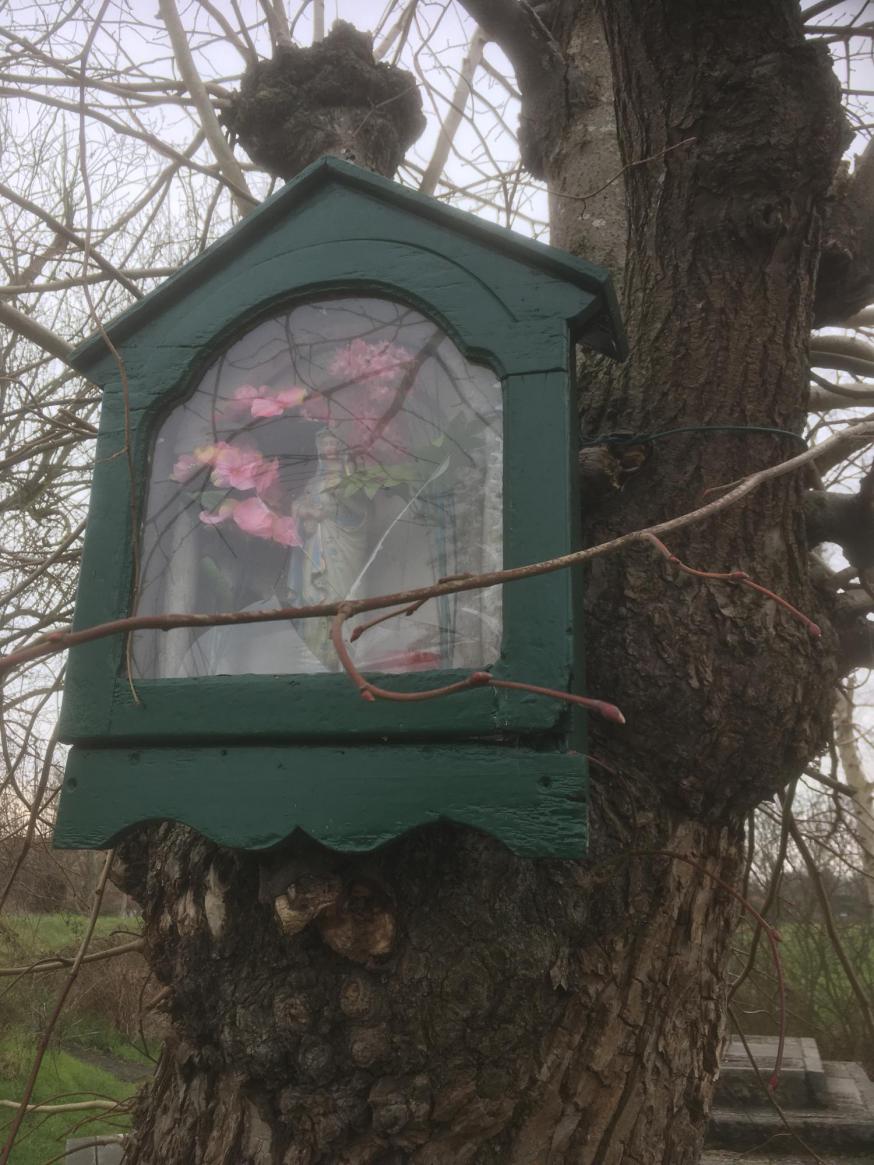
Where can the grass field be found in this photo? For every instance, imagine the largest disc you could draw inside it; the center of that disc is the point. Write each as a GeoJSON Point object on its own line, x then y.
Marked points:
{"type": "Point", "coordinates": [91, 1055]}
{"type": "Point", "coordinates": [36, 935]}
{"type": "Point", "coordinates": [63, 1079]}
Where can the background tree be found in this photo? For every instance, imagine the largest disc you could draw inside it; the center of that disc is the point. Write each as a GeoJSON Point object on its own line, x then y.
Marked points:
{"type": "Point", "coordinates": [524, 1011]}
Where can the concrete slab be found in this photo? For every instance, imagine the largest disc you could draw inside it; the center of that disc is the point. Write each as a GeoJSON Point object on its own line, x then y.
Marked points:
{"type": "Point", "coordinates": [802, 1079]}
{"type": "Point", "coordinates": [94, 1151]}
{"type": "Point", "coordinates": [85, 1154]}
{"type": "Point", "coordinates": [725, 1157]}
{"type": "Point", "coordinates": [844, 1126]}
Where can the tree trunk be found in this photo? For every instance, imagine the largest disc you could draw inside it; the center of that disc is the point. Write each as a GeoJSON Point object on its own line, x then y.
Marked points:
{"type": "Point", "coordinates": [519, 1018]}
{"type": "Point", "coordinates": [443, 1000]}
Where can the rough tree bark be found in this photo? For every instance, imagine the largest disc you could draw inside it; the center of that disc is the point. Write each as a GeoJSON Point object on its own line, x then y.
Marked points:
{"type": "Point", "coordinates": [444, 1001]}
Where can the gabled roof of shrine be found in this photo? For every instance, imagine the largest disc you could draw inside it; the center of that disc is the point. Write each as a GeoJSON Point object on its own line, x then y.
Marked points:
{"type": "Point", "coordinates": [603, 330]}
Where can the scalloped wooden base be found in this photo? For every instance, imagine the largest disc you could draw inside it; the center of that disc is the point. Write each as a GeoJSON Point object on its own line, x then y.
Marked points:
{"type": "Point", "coordinates": [350, 799]}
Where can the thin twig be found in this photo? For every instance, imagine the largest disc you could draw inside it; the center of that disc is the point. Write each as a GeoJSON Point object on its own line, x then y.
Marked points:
{"type": "Point", "coordinates": [619, 173]}
{"type": "Point", "coordinates": [360, 628]}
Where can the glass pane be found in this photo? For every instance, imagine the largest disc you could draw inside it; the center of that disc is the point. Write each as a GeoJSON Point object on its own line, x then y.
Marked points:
{"type": "Point", "coordinates": [345, 449]}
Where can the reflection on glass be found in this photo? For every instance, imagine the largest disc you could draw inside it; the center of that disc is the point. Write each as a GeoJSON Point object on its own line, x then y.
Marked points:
{"type": "Point", "coordinates": [345, 449]}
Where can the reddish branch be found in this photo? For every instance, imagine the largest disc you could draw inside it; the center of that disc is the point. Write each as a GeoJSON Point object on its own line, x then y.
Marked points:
{"type": "Point", "coordinates": [58, 641]}
{"type": "Point", "coordinates": [735, 576]}
{"type": "Point", "coordinates": [477, 679]}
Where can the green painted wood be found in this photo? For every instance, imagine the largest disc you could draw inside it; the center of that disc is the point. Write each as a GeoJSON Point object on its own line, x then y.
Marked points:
{"type": "Point", "coordinates": [351, 799]}
{"type": "Point", "coordinates": [505, 301]}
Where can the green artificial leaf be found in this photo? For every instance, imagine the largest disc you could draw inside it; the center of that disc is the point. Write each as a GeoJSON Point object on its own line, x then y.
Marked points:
{"type": "Point", "coordinates": [211, 499]}
{"type": "Point", "coordinates": [215, 576]}
{"type": "Point", "coordinates": [406, 471]}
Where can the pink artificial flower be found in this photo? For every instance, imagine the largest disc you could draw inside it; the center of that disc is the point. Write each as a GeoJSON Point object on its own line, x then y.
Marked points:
{"type": "Point", "coordinates": [241, 467]}
{"type": "Point", "coordinates": [316, 407]}
{"type": "Point", "coordinates": [185, 467]}
{"type": "Point", "coordinates": [267, 406]}
{"type": "Point", "coordinates": [220, 515]}
{"type": "Point", "coordinates": [265, 403]}
{"type": "Point", "coordinates": [365, 360]}
{"type": "Point", "coordinates": [254, 518]}
{"type": "Point", "coordinates": [239, 404]}
{"type": "Point", "coordinates": [266, 476]}
{"type": "Point", "coordinates": [291, 398]}
{"type": "Point", "coordinates": [206, 454]}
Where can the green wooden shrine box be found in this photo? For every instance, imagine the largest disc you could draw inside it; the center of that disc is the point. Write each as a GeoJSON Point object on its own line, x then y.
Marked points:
{"type": "Point", "coordinates": [354, 392]}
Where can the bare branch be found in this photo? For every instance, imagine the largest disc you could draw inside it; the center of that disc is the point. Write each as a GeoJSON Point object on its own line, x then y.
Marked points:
{"type": "Point", "coordinates": [835, 786]}
{"type": "Point", "coordinates": [277, 22]}
{"type": "Point", "coordinates": [73, 1106]}
{"type": "Point", "coordinates": [842, 353]}
{"type": "Point", "coordinates": [454, 116]}
{"type": "Point", "coordinates": [59, 963]}
{"type": "Point", "coordinates": [30, 329]}
{"type": "Point", "coordinates": [224, 155]}
{"type": "Point", "coordinates": [818, 9]}
{"type": "Point", "coordinates": [402, 22]}
{"type": "Point", "coordinates": [862, 319]}
{"type": "Point", "coordinates": [827, 397]}
{"type": "Point", "coordinates": [523, 36]}
{"type": "Point", "coordinates": [542, 72]}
